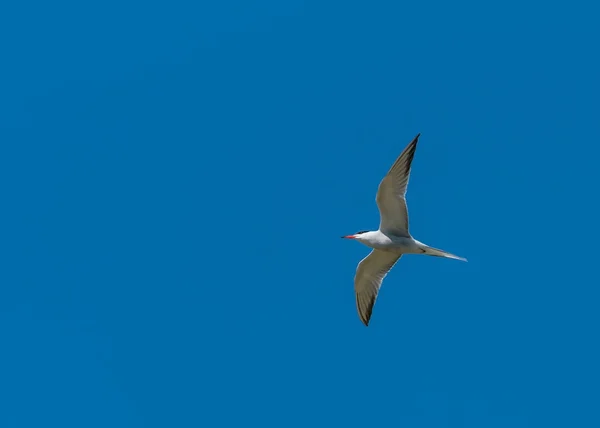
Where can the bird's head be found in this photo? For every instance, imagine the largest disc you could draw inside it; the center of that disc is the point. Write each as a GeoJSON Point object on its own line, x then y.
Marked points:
{"type": "Point", "coordinates": [357, 235]}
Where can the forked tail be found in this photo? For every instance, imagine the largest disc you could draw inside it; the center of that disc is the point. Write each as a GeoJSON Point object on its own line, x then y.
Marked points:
{"type": "Point", "coordinates": [430, 251]}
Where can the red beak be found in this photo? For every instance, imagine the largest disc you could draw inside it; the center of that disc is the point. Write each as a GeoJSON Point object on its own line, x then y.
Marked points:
{"type": "Point", "coordinates": [348, 237]}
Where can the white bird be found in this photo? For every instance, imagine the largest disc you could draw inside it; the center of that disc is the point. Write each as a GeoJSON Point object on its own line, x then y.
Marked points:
{"type": "Point", "coordinates": [392, 239]}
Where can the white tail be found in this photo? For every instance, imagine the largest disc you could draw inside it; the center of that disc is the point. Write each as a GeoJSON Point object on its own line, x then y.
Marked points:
{"type": "Point", "coordinates": [430, 251]}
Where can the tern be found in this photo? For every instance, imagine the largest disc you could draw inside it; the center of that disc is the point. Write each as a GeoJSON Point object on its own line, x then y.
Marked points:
{"type": "Point", "coordinates": [392, 239]}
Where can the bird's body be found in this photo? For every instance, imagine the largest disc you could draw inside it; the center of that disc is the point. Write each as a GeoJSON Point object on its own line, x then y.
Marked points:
{"type": "Point", "coordinates": [389, 242]}
{"type": "Point", "coordinates": [392, 239]}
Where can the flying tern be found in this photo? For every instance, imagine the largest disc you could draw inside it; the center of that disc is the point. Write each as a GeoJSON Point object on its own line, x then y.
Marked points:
{"type": "Point", "coordinates": [392, 239]}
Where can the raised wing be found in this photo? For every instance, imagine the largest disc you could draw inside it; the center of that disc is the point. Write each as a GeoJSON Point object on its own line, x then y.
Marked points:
{"type": "Point", "coordinates": [369, 275]}
{"type": "Point", "coordinates": [391, 195]}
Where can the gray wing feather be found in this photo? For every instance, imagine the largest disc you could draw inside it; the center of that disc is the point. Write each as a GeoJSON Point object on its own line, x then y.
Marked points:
{"type": "Point", "coordinates": [369, 275]}
{"type": "Point", "coordinates": [391, 194]}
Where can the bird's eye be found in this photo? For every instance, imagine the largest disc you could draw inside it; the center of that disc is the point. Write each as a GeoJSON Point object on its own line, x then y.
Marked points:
{"type": "Point", "coordinates": [362, 231]}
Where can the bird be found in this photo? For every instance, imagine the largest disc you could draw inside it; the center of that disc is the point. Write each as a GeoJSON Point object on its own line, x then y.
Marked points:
{"type": "Point", "coordinates": [392, 239]}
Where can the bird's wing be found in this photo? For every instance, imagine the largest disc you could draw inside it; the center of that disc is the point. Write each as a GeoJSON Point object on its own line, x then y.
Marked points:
{"type": "Point", "coordinates": [369, 274]}
{"type": "Point", "coordinates": [391, 195]}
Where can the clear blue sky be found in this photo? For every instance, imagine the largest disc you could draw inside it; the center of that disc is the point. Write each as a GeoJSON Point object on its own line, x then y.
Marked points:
{"type": "Point", "coordinates": [176, 177]}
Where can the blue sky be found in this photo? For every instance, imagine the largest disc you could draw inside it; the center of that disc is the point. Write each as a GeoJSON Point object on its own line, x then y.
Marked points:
{"type": "Point", "coordinates": [176, 177]}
